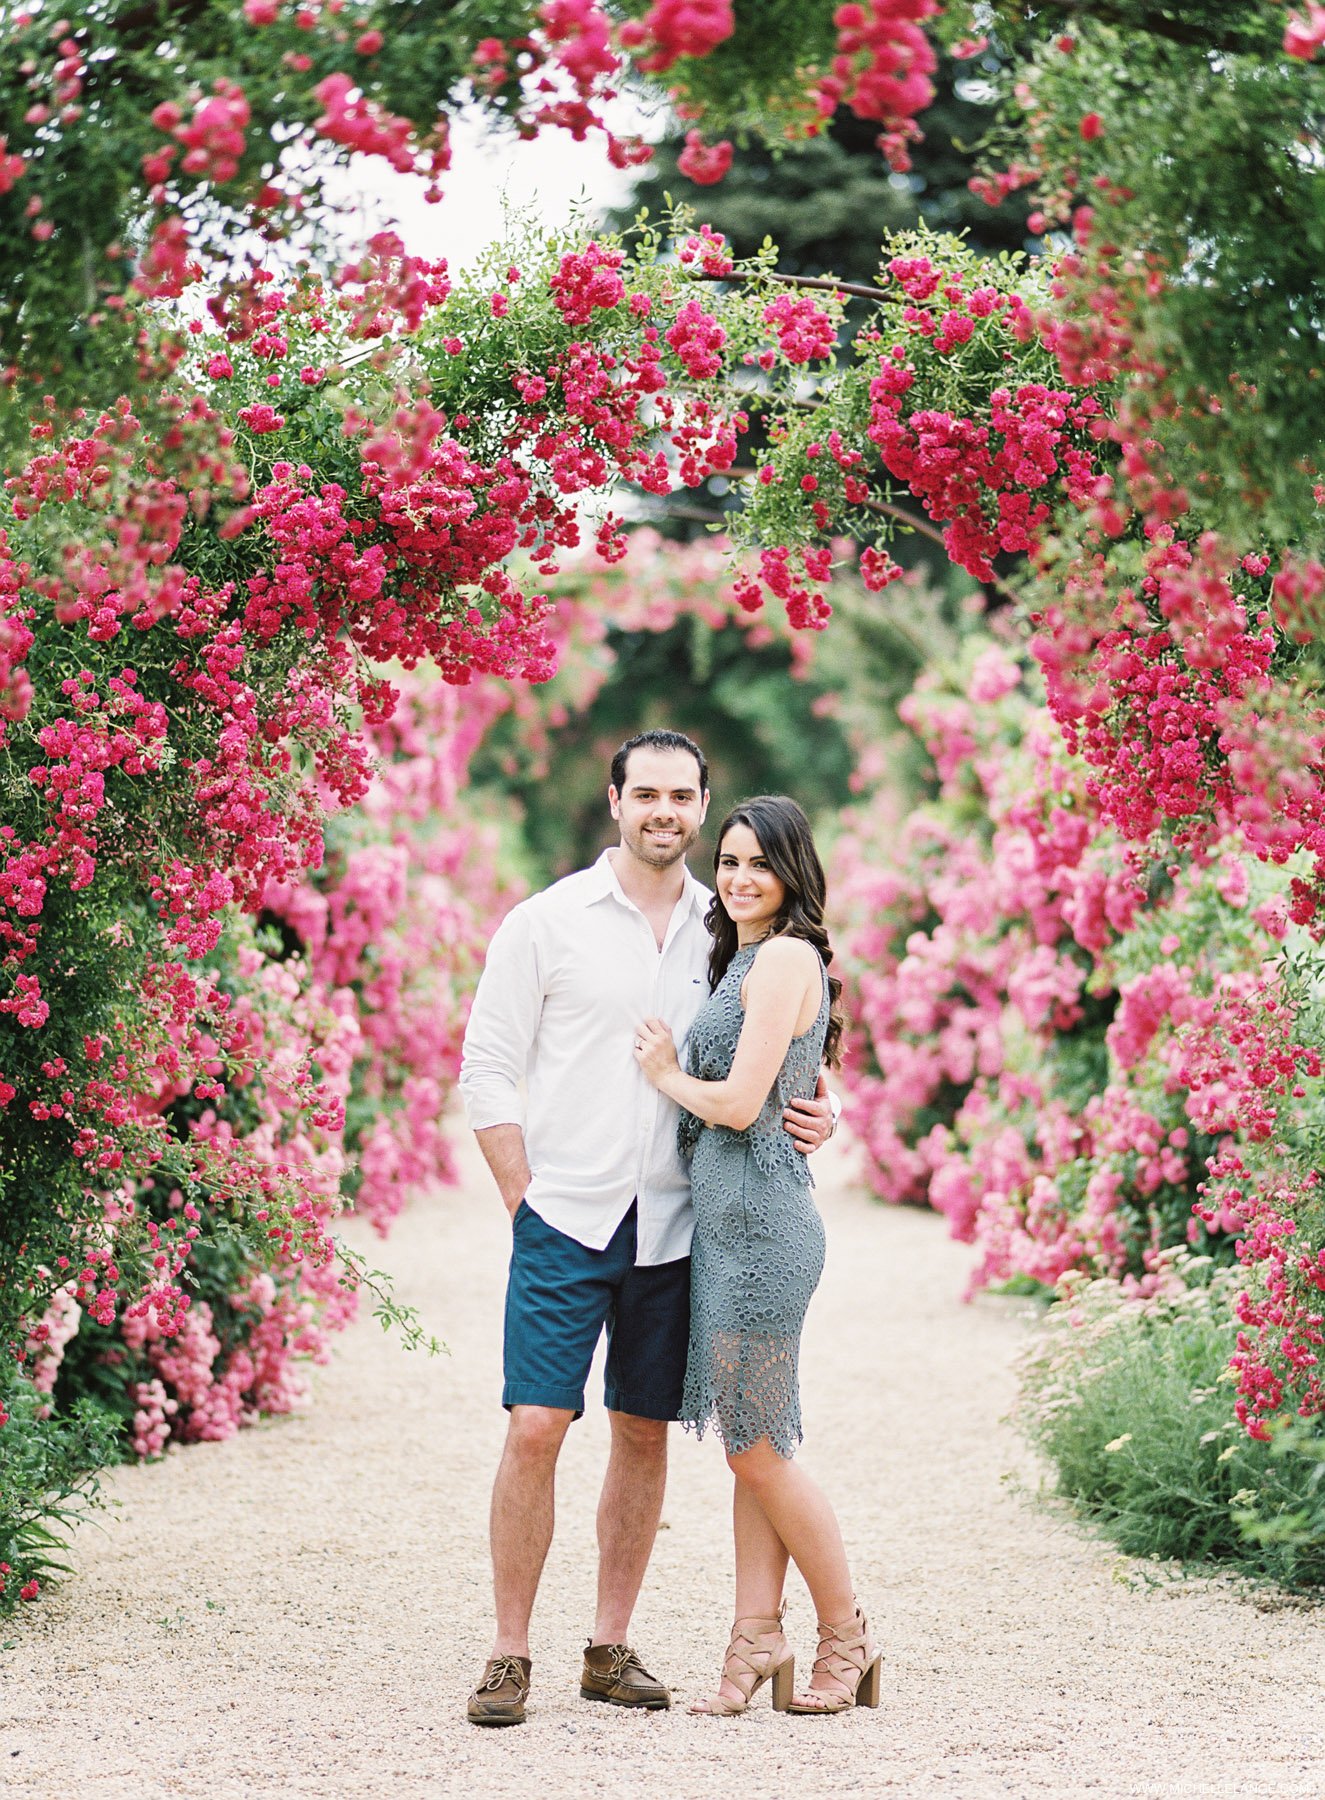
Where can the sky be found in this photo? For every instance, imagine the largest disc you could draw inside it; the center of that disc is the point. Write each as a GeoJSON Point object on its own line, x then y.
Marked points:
{"type": "Point", "coordinates": [553, 175]}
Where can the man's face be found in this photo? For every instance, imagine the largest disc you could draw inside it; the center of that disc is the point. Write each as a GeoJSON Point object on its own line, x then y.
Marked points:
{"type": "Point", "coordinates": [661, 808]}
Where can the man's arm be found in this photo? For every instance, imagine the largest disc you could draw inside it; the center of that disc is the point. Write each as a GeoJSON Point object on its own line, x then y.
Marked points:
{"type": "Point", "coordinates": [504, 1152]}
{"type": "Point", "coordinates": [810, 1123]}
{"type": "Point", "coordinates": [503, 1024]}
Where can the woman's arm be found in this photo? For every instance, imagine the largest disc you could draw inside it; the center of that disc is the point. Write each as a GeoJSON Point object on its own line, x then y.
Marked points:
{"type": "Point", "coordinates": [781, 979]}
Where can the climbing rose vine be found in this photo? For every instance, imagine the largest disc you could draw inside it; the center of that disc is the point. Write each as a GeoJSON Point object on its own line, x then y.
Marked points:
{"type": "Point", "coordinates": [1080, 1056]}
{"type": "Point", "coordinates": [223, 540]}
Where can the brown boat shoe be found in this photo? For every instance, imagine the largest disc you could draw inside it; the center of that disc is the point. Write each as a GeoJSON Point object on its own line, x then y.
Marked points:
{"type": "Point", "coordinates": [501, 1693]}
{"type": "Point", "coordinates": [613, 1672]}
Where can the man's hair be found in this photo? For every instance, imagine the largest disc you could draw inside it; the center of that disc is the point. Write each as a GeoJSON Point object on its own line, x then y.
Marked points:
{"type": "Point", "coordinates": [658, 740]}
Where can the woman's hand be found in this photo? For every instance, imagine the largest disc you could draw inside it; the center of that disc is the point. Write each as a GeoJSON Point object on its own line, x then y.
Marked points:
{"type": "Point", "coordinates": [654, 1050]}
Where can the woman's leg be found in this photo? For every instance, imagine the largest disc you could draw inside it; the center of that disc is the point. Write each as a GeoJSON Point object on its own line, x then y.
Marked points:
{"type": "Point", "coordinates": [761, 1558]}
{"type": "Point", "coordinates": [798, 1513]}
{"type": "Point", "coordinates": [761, 1569]}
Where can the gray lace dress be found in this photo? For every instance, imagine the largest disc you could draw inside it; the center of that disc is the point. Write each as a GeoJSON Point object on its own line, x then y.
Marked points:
{"type": "Point", "coordinates": [759, 1241]}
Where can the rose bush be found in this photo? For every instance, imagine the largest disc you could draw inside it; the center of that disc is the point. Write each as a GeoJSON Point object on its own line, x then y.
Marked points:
{"type": "Point", "coordinates": [163, 1079]}
{"type": "Point", "coordinates": [368, 975]}
{"type": "Point", "coordinates": [1082, 1055]}
{"type": "Point", "coordinates": [226, 119]}
{"type": "Point", "coordinates": [215, 533]}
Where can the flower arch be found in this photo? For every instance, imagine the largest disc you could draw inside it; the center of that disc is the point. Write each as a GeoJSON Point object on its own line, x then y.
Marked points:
{"type": "Point", "coordinates": [216, 534]}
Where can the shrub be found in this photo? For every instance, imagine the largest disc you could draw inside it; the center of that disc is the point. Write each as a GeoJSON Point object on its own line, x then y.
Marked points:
{"type": "Point", "coordinates": [47, 1478]}
{"type": "Point", "coordinates": [1132, 1403]}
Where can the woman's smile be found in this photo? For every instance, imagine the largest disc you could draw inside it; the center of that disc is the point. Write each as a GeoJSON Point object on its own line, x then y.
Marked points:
{"type": "Point", "coordinates": [748, 888]}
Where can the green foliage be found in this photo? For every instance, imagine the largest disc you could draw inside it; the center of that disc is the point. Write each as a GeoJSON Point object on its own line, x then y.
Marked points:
{"type": "Point", "coordinates": [754, 82]}
{"type": "Point", "coordinates": [757, 726]}
{"type": "Point", "coordinates": [1242, 26]}
{"type": "Point", "coordinates": [47, 1480]}
{"type": "Point", "coordinates": [828, 203]}
{"type": "Point", "coordinates": [1297, 1453]}
{"type": "Point", "coordinates": [88, 170]}
{"type": "Point", "coordinates": [1132, 1404]}
{"type": "Point", "coordinates": [1207, 176]}
{"type": "Point", "coordinates": [958, 382]}
{"type": "Point", "coordinates": [772, 714]}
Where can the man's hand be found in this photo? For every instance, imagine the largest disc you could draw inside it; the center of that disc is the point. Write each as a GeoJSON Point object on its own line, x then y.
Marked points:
{"type": "Point", "coordinates": [810, 1123]}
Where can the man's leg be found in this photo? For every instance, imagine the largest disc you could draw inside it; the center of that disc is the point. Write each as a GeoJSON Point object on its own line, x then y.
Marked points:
{"type": "Point", "coordinates": [629, 1509]}
{"type": "Point", "coordinates": [521, 1520]}
{"type": "Point", "coordinates": [558, 1298]}
{"type": "Point", "coordinates": [646, 1359]}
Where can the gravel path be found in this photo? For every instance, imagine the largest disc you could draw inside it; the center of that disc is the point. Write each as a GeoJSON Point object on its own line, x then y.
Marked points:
{"type": "Point", "coordinates": [301, 1612]}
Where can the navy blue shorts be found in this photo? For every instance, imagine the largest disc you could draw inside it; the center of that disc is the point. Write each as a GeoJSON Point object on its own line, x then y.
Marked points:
{"type": "Point", "coordinates": [560, 1296]}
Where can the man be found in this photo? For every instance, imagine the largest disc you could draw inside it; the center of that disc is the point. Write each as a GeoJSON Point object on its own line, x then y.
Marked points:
{"type": "Point", "coordinates": [599, 1199]}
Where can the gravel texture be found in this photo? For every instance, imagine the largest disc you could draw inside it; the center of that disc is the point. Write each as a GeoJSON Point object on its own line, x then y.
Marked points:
{"type": "Point", "coordinates": [301, 1611]}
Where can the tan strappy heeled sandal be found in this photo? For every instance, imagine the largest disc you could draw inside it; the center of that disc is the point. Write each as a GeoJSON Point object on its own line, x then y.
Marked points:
{"type": "Point", "coordinates": [848, 1658]}
{"type": "Point", "coordinates": [757, 1652]}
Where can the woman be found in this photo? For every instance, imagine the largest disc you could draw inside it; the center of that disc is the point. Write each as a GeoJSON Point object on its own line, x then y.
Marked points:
{"type": "Point", "coordinates": [758, 1042]}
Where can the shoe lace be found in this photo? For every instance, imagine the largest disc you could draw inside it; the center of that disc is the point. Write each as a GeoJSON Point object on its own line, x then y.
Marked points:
{"type": "Point", "coordinates": [623, 1658]}
{"type": "Point", "coordinates": [501, 1670]}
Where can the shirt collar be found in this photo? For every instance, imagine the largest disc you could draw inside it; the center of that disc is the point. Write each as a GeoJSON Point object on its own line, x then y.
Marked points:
{"type": "Point", "coordinates": [603, 884]}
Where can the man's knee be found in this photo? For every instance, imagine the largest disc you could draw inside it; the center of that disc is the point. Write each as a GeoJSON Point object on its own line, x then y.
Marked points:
{"type": "Point", "coordinates": [535, 1433]}
{"type": "Point", "coordinates": [646, 1438]}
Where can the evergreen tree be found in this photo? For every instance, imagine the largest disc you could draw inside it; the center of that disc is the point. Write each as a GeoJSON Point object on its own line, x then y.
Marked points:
{"type": "Point", "coordinates": [829, 203]}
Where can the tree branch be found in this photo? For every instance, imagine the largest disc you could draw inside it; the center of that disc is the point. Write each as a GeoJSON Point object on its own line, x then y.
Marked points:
{"type": "Point", "coordinates": [699, 515]}
{"type": "Point", "coordinates": [1177, 30]}
{"type": "Point", "coordinates": [910, 520]}
{"type": "Point", "coordinates": [888, 509]}
{"type": "Point", "coordinates": [140, 26]}
{"type": "Point", "coordinates": [826, 284]}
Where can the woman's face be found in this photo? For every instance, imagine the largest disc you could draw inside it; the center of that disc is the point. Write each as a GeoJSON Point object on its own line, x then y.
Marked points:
{"type": "Point", "coordinates": [749, 890]}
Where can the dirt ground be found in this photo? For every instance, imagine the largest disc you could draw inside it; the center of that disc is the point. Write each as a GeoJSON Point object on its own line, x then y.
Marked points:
{"type": "Point", "coordinates": [301, 1611]}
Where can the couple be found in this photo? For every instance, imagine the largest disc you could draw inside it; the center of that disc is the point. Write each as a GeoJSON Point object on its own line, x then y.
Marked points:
{"type": "Point", "coordinates": [588, 988]}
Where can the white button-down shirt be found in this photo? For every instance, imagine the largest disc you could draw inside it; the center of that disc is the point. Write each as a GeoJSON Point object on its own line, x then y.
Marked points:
{"type": "Point", "coordinates": [569, 975]}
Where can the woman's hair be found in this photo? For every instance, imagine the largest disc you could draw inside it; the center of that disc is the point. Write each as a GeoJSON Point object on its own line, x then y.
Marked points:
{"type": "Point", "coordinates": [787, 843]}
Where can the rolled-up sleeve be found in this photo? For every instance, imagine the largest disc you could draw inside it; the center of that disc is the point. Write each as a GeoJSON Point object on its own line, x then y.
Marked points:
{"type": "Point", "coordinates": [503, 1024]}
